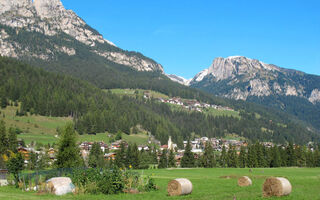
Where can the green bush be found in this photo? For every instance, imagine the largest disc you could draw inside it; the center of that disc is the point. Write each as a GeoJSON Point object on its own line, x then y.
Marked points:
{"type": "Point", "coordinates": [110, 181]}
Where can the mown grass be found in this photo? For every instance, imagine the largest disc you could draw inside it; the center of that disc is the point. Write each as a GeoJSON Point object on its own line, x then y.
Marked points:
{"type": "Point", "coordinates": [207, 184]}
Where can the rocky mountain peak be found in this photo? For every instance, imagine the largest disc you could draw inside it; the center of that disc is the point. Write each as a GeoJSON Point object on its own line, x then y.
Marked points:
{"type": "Point", "coordinates": [49, 8]}
{"type": "Point", "coordinates": [224, 68]}
{"type": "Point", "coordinates": [49, 17]}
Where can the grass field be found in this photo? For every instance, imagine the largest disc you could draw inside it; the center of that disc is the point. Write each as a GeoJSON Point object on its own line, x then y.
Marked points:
{"type": "Point", "coordinates": [136, 138]}
{"type": "Point", "coordinates": [35, 127]}
{"type": "Point", "coordinates": [207, 184]}
{"type": "Point", "coordinates": [131, 92]}
{"type": "Point", "coordinates": [42, 129]}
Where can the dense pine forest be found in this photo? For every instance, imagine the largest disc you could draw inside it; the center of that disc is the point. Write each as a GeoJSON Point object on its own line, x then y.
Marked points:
{"type": "Point", "coordinates": [94, 110]}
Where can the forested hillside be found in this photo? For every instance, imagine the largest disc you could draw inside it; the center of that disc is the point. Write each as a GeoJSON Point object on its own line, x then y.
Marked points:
{"type": "Point", "coordinates": [87, 65]}
{"type": "Point", "coordinates": [94, 110]}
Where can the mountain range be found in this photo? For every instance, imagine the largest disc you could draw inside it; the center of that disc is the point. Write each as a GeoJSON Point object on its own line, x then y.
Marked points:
{"type": "Point", "coordinates": [44, 34]}
{"type": "Point", "coordinates": [242, 78]}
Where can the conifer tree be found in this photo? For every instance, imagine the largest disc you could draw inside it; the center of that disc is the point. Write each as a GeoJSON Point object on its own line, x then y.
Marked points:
{"type": "Point", "coordinates": [68, 152]}
{"type": "Point", "coordinates": [260, 155]}
{"type": "Point", "coordinates": [145, 159]}
{"type": "Point", "coordinates": [135, 157]}
{"type": "Point", "coordinates": [242, 157]}
{"type": "Point", "coordinates": [129, 157]}
{"type": "Point", "coordinates": [276, 159]}
{"type": "Point", "coordinates": [163, 162]}
{"type": "Point", "coordinates": [316, 157]}
{"type": "Point", "coordinates": [223, 157]}
{"type": "Point", "coordinates": [310, 161]}
{"type": "Point", "coordinates": [12, 140]}
{"type": "Point", "coordinates": [120, 158]}
{"type": "Point", "coordinates": [232, 157]}
{"type": "Point", "coordinates": [252, 156]}
{"type": "Point", "coordinates": [292, 158]}
{"type": "Point", "coordinates": [208, 158]}
{"type": "Point", "coordinates": [188, 158]}
{"type": "Point", "coordinates": [96, 158]}
{"type": "Point", "coordinates": [15, 164]}
{"type": "Point", "coordinates": [153, 156]}
{"type": "Point", "coordinates": [300, 152]}
{"type": "Point", "coordinates": [3, 138]}
{"type": "Point", "coordinates": [171, 159]}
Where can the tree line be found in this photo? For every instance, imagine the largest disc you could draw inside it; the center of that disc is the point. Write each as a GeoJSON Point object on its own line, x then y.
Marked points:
{"type": "Point", "coordinates": [94, 110]}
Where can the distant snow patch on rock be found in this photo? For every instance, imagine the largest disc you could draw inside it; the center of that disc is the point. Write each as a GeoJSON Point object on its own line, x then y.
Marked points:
{"type": "Point", "coordinates": [179, 79]}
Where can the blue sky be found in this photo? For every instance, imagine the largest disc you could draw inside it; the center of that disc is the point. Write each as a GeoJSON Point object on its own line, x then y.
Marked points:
{"type": "Point", "coordinates": [186, 35]}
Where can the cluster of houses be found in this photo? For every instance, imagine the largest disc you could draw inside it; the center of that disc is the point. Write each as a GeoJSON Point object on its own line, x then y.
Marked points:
{"type": "Point", "coordinates": [198, 146]}
{"type": "Point", "coordinates": [192, 105]}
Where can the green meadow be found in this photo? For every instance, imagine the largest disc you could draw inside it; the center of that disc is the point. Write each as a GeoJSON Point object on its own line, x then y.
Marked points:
{"type": "Point", "coordinates": [43, 129]}
{"type": "Point", "coordinates": [216, 183]}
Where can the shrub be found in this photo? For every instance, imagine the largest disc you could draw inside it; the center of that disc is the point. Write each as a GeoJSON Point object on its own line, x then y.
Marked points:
{"type": "Point", "coordinates": [110, 181]}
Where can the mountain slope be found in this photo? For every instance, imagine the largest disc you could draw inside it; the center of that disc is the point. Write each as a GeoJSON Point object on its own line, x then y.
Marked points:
{"type": "Point", "coordinates": [50, 18]}
{"type": "Point", "coordinates": [95, 111]}
{"type": "Point", "coordinates": [238, 77]}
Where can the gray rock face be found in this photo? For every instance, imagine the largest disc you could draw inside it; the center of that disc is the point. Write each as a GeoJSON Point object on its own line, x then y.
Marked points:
{"type": "Point", "coordinates": [250, 77]}
{"type": "Point", "coordinates": [49, 17]}
{"type": "Point", "coordinates": [315, 96]}
{"type": "Point", "coordinates": [224, 68]}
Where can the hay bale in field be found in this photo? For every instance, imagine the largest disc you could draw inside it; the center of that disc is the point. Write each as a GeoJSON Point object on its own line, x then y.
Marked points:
{"type": "Point", "coordinates": [179, 186]}
{"type": "Point", "coordinates": [59, 185]}
{"type": "Point", "coordinates": [276, 186]}
{"type": "Point", "coordinates": [244, 181]}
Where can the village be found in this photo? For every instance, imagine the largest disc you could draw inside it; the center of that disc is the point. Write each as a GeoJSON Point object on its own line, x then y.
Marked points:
{"type": "Point", "coordinates": [191, 105]}
{"type": "Point", "coordinates": [110, 150]}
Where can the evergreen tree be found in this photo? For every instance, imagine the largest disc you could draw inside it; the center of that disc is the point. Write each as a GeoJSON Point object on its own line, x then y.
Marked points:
{"type": "Point", "coordinates": [4, 102]}
{"type": "Point", "coordinates": [154, 156]}
{"type": "Point", "coordinates": [120, 158]}
{"type": "Point", "coordinates": [223, 157]}
{"type": "Point", "coordinates": [316, 157]}
{"type": "Point", "coordinates": [135, 157]}
{"type": "Point", "coordinates": [171, 159]}
{"type": "Point", "coordinates": [3, 138]}
{"type": "Point", "coordinates": [15, 166]}
{"type": "Point", "coordinates": [252, 156]}
{"type": "Point", "coordinates": [242, 157]}
{"type": "Point", "coordinates": [260, 155]}
{"type": "Point", "coordinates": [33, 161]}
{"type": "Point", "coordinates": [163, 162]}
{"type": "Point", "coordinates": [68, 152]}
{"type": "Point", "coordinates": [292, 158]}
{"type": "Point", "coordinates": [276, 159]}
{"type": "Point", "coordinates": [310, 159]}
{"type": "Point", "coordinates": [12, 140]}
{"type": "Point", "coordinates": [208, 159]}
{"type": "Point", "coordinates": [145, 159]}
{"type": "Point", "coordinates": [188, 158]}
{"type": "Point", "coordinates": [232, 157]}
{"type": "Point", "coordinates": [96, 158]}
{"type": "Point", "coordinates": [300, 152]}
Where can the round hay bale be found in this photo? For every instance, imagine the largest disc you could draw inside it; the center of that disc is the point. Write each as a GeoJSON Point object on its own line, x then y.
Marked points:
{"type": "Point", "coordinates": [276, 186]}
{"type": "Point", "coordinates": [179, 186]}
{"type": "Point", "coordinates": [244, 181]}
